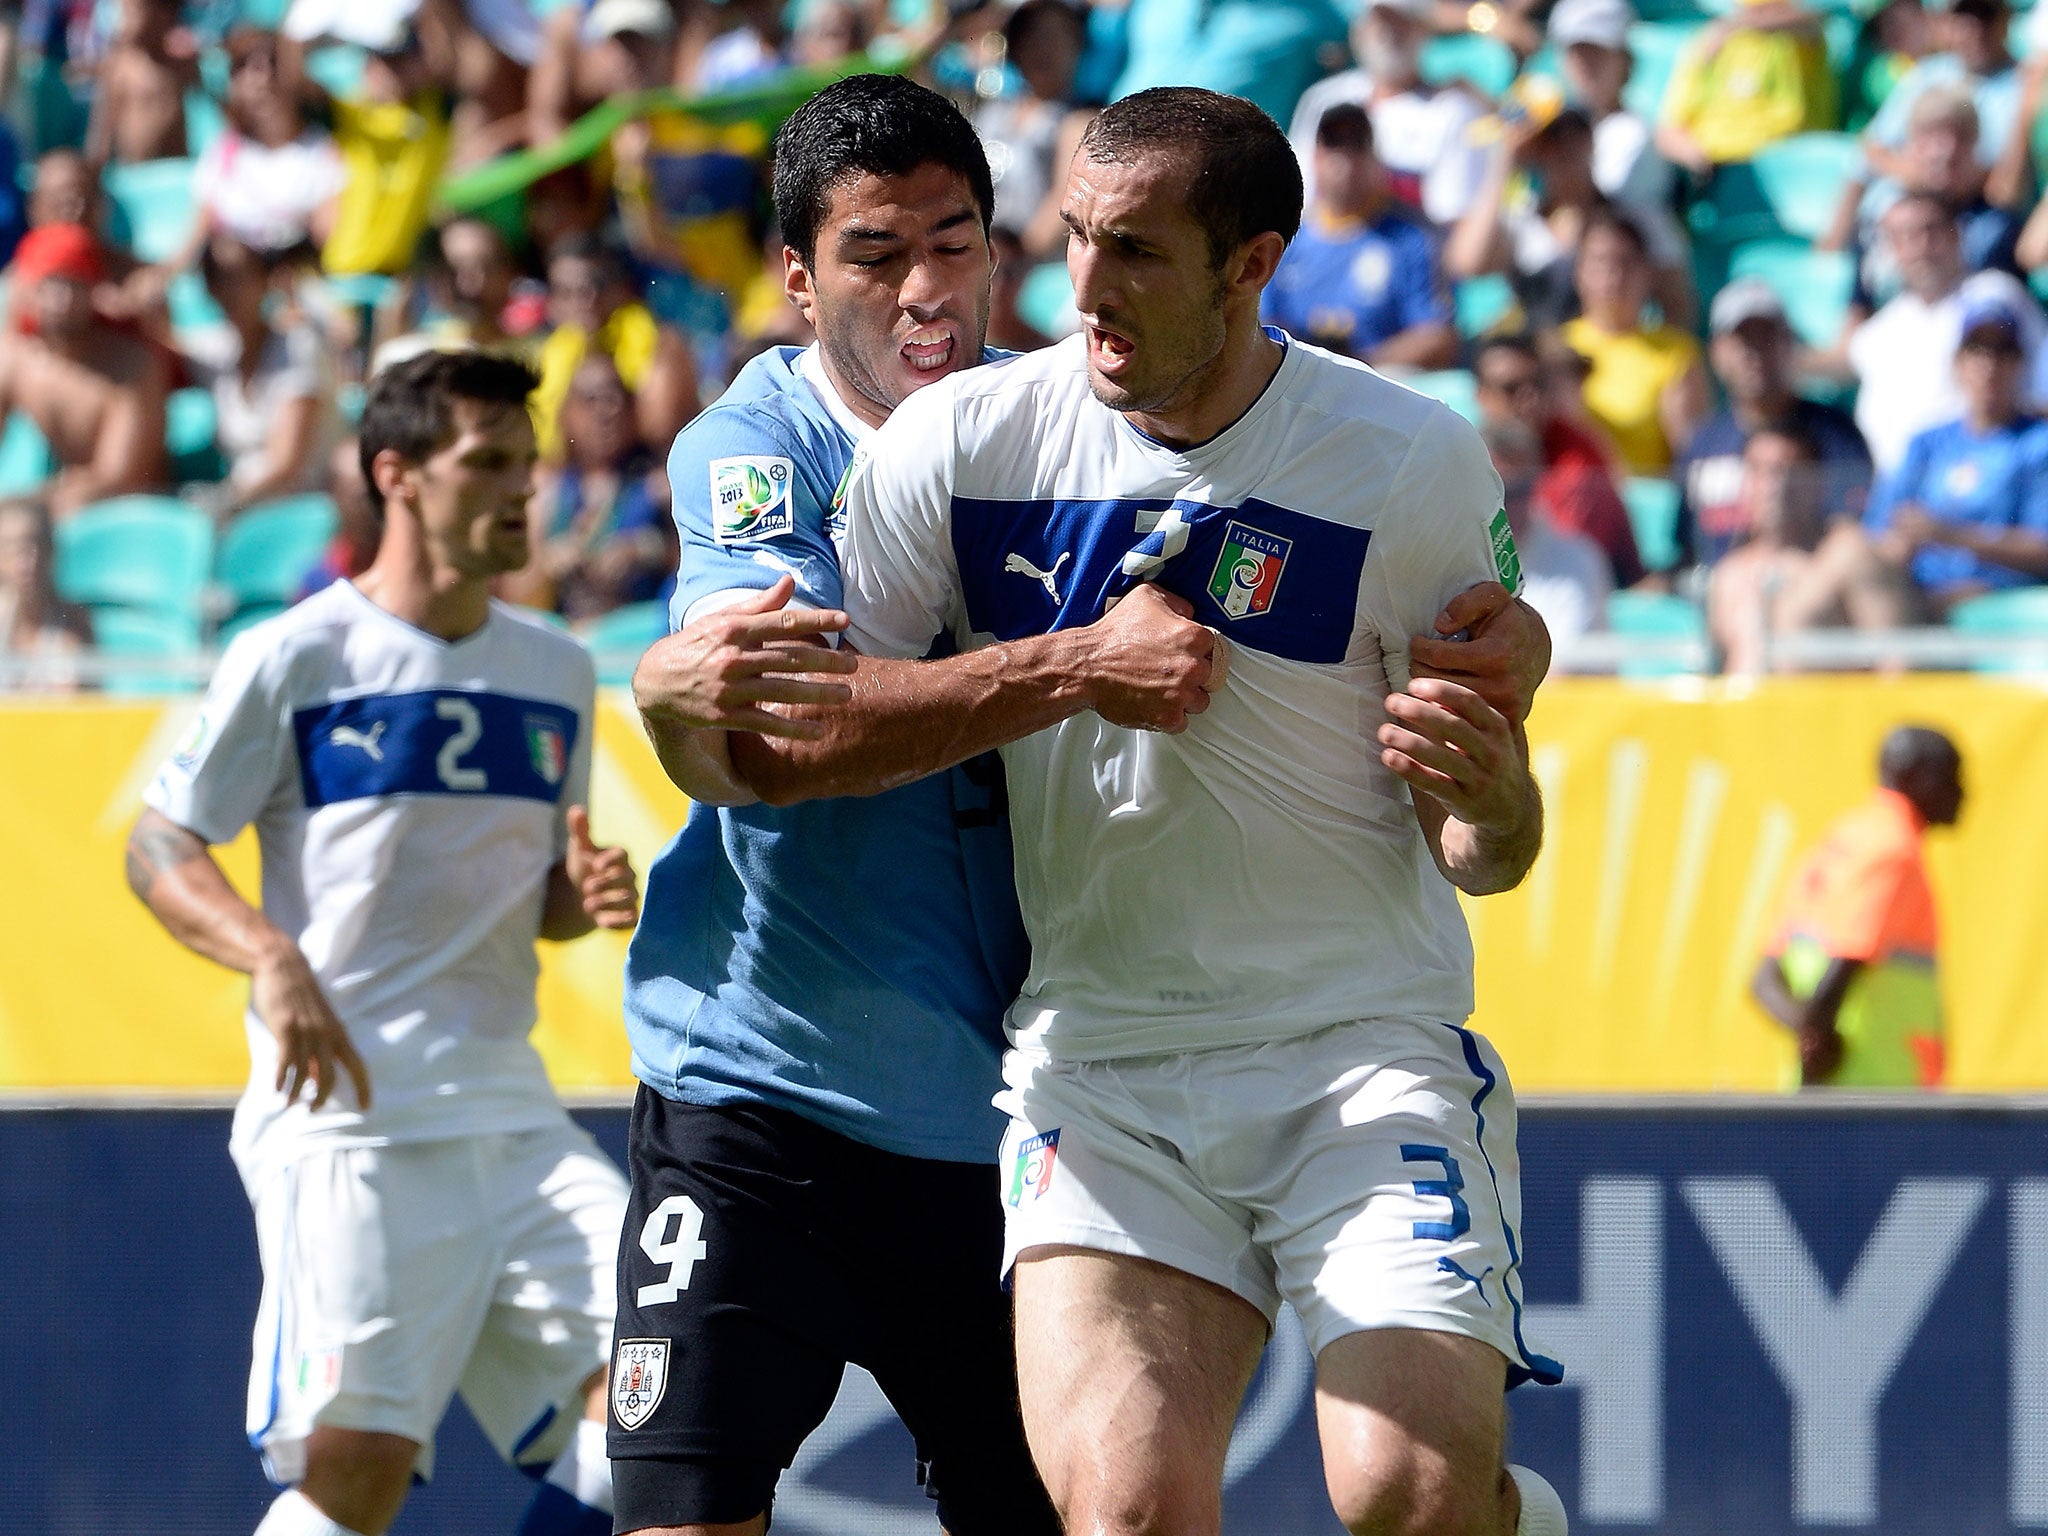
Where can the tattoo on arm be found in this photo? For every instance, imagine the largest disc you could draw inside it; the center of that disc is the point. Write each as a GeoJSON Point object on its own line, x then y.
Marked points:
{"type": "Point", "coordinates": [157, 845]}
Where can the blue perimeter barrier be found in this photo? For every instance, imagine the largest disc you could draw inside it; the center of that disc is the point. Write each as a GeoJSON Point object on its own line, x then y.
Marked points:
{"type": "Point", "coordinates": [1777, 1317]}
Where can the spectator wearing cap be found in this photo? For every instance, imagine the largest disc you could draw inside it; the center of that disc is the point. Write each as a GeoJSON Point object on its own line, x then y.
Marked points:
{"type": "Point", "coordinates": [1565, 575]}
{"type": "Point", "coordinates": [1974, 59]}
{"type": "Point", "coordinates": [1966, 510]}
{"type": "Point", "coordinates": [1531, 210]}
{"type": "Point", "coordinates": [1590, 38]}
{"type": "Point", "coordinates": [1752, 351]}
{"type": "Point", "coordinates": [1032, 135]}
{"type": "Point", "coordinates": [1576, 487]}
{"type": "Point", "coordinates": [1902, 356]}
{"type": "Point", "coordinates": [1754, 590]}
{"type": "Point", "coordinates": [95, 389]}
{"type": "Point", "coordinates": [393, 135]}
{"type": "Point", "coordinates": [1362, 276]}
{"type": "Point", "coordinates": [1647, 386]}
{"type": "Point", "coordinates": [1939, 160]}
{"type": "Point", "coordinates": [1421, 133]}
{"type": "Point", "coordinates": [1750, 78]}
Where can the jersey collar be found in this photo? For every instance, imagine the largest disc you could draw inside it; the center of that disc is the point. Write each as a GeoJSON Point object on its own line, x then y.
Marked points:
{"type": "Point", "coordinates": [810, 368]}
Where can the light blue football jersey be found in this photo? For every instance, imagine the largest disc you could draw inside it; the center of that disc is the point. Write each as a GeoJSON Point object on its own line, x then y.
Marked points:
{"type": "Point", "coordinates": [849, 960]}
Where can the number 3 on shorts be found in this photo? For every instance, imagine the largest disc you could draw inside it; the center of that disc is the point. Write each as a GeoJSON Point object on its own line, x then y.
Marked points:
{"type": "Point", "coordinates": [680, 1252]}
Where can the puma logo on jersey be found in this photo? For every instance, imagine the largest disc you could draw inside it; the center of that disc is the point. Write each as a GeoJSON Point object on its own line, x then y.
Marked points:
{"type": "Point", "coordinates": [349, 736]}
{"type": "Point", "coordinates": [1046, 579]}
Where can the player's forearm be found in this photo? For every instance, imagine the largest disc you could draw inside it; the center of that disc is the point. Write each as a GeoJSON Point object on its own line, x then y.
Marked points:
{"type": "Point", "coordinates": [907, 719]}
{"type": "Point", "coordinates": [697, 760]}
{"type": "Point", "coordinates": [175, 876]}
{"type": "Point", "coordinates": [1483, 859]}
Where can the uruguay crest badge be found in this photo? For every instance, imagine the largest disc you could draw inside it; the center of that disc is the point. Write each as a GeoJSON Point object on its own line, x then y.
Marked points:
{"type": "Point", "coordinates": [1247, 573]}
{"type": "Point", "coordinates": [639, 1377]}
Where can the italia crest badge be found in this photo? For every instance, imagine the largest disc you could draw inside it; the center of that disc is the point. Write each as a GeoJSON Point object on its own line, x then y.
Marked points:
{"type": "Point", "coordinates": [1247, 573]}
{"type": "Point", "coordinates": [750, 498]}
{"type": "Point", "coordinates": [544, 745]}
{"type": "Point", "coordinates": [639, 1377]}
{"type": "Point", "coordinates": [1032, 1174]}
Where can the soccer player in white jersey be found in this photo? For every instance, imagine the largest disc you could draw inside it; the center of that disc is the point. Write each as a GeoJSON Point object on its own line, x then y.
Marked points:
{"type": "Point", "coordinates": [415, 758]}
{"type": "Point", "coordinates": [1239, 1070]}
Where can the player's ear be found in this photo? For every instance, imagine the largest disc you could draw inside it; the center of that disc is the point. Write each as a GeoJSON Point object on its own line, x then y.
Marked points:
{"type": "Point", "coordinates": [1257, 260]}
{"type": "Point", "coordinates": [796, 283]}
{"type": "Point", "coordinates": [389, 470]}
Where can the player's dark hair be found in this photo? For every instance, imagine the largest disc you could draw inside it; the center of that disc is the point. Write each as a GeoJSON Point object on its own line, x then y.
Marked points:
{"type": "Point", "coordinates": [411, 405]}
{"type": "Point", "coordinates": [1246, 179]}
{"type": "Point", "coordinates": [869, 125]}
{"type": "Point", "coordinates": [1345, 126]}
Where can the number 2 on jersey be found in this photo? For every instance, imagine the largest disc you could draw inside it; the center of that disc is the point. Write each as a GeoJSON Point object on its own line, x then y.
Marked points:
{"type": "Point", "coordinates": [468, 726]}
{"type": "Point", "coordinates": [680, 1252]}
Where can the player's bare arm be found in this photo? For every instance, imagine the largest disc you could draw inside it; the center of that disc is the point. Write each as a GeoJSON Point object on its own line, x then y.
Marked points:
{"type": "Point", "coordinates": [1504, 657]}
{"type": "Point", "coordinates": [1474, 796]}
{"type": "Point", "coordinates": [716, 673]}
{"type": "Point", "coordinates": [1145, 665]}
{"type": "Point", "coordinates": [171, 870]}
{"type": "Point", "coordinates": [592, 887]}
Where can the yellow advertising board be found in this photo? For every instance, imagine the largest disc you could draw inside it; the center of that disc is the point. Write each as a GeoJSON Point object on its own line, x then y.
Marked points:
{"type": "Point", "coordinates": [1676, 813]}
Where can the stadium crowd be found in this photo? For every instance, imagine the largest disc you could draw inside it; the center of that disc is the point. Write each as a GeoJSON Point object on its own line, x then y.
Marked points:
{"type": "Point", "coordinates": [1741, 300]}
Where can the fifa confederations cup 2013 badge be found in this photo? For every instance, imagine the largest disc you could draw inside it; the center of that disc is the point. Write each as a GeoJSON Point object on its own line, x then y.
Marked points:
{"type": "Point", "coordinates": [639, 1377]}
{"type": "Point", "coordinates": [750, 498]}
{"type": "Point", "coordinates": [1247, 573]}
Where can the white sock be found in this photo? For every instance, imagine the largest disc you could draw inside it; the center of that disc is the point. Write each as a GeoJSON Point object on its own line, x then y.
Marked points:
{"type": "Point", "coordinates": [584, 1470]}
{"type": "Point", "coordinates": [296, 1515]}
{"type": "Point", "coordinates": [1542, 1509]}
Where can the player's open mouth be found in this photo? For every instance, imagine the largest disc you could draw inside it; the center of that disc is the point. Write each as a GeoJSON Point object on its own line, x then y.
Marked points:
{"type": "Point", "coordinates": [929, 348]}
{"type": "Point", "coordinates": [1108, 350]}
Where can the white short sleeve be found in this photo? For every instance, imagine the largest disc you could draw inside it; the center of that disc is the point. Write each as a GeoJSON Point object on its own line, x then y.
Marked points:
{"type": "Point", "coordinates": [231, 761]}
{"type": "Point", "coordinates": [1443, 531]}
{"type": "Point", "coordinates": [895, 541]}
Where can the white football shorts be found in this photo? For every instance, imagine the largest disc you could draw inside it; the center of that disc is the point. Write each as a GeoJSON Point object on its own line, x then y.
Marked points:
{"type": "Point", "coordinates": [395, 1276]}
{"type": "Point", "coordinates": [1365, 1173]}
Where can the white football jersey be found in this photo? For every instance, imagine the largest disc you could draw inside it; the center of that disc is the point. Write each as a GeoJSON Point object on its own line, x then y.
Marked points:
{"type": "Point", "coordinates": [409, 797]}
{"type": "Point", "coordinates": [1261, 875]}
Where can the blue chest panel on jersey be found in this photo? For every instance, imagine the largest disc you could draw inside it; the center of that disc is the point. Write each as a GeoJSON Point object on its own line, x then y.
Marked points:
{"type": "Point", "coordinates": [442, 741]}
{"type": "Point", "coordinates": [1275, 580]}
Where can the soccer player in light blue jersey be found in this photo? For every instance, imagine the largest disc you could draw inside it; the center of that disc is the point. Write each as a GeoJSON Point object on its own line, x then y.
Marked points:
{"type": "Point", "coordinates": [816, 993]}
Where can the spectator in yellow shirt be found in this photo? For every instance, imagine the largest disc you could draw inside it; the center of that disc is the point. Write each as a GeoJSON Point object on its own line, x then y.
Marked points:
{"type": "Point", "coordinates": [1647, 386]}
{"type": "Point", "coordinates": [1749, 79]}
{"type": "Point", "coordinates": [393, 139]}
{"type": "Point", "coordinates": [592, 307]}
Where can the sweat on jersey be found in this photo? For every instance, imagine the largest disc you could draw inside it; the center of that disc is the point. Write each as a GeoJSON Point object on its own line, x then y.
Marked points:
{"type": "Point", "coordinates": [850, 959]}
{"type": "Point", "coordinates": [409, 797]}
{"type": "Point", "coordinates": [1261, 875]}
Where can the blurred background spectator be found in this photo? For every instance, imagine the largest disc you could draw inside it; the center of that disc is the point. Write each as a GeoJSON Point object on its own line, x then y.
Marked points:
{"type": "Point", "coordinates": [1749, 78]}
{"type": "Point", "coordinates": [40, 628]}
{"type": "Point", "coordinates": [1756, 588]}
{"type": "Point", "coordinates": [1032, 135]}
{"type": "Point", "coordinates": [1565, 574]}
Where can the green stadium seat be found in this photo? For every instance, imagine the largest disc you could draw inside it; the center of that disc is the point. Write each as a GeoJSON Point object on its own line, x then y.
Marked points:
{"type": "Point", "coordinates": [2017, 613]}
{"type": "Point", "coordinates": [1655, 47]}
{"type": "Point", "coordinates": [152, 206]}
{"type": "Point", "coordinates": [1454, 386]}
{"type": "Point", "coordinates": [191, 306]}
{"type": "Point", "coordinates": [619, 639]}
{"type": "Point", "coordinates": [1653, 518]}
{"type": "Point", "coordinates": [1484, 62]}
{"type": "Point", "coordinates": [248, 618]}
{"type": "Point", "coordinates": [203, 122]}
{"type": "Point", "coordinates": [189, 423]}
{"type": "Point", "coordinates": [142, 634]}
{"type": "Point", "coordinates": [1046, 301]}
{"type": "Point", "coordinates": [1802, 179]}
{"type": "Point", "coordinates": [336, 68]}
{"type": "Point", "coordinates": [26, 462]}
{"type": "Point", "coordinates": [1655, 616]}
{"type": "Point", "coordinates": [144, 552]}
{"type": "Point", "coordinates": [1814, 286]}
{"type": "Point", "coordinates": [267, 551]}
{"type": "Point", "coordinates": [1484, 303]}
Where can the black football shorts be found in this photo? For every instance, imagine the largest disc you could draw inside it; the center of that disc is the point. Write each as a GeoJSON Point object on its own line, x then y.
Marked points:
{"type": "Point", "coordinates": [761, 1253]}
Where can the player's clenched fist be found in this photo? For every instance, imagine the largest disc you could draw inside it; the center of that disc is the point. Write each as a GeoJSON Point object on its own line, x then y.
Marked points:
{"type": "Point", "coordinates": [603, 877]}
{"type": "Point", "coordinates": [313, 1047]}
{"type": "Point", "coordinates": [717, 671]}
{"type": "Point", "coordinates": [1150, 664]}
